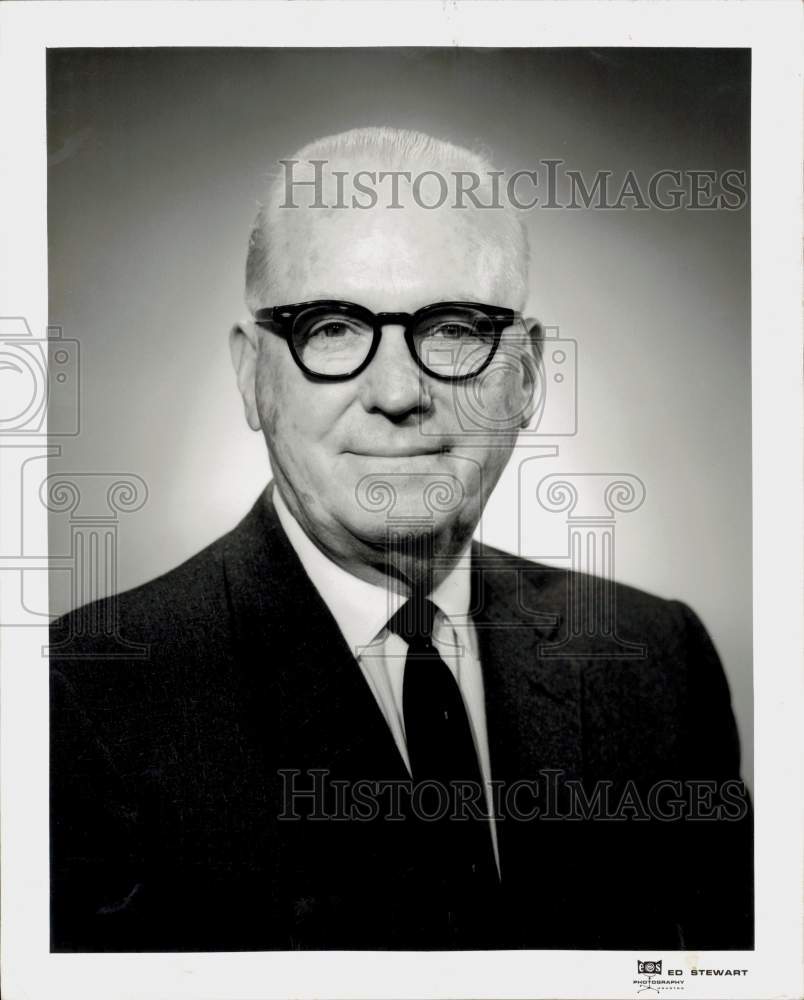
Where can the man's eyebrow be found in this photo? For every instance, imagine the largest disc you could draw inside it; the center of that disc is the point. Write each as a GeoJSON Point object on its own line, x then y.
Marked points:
{"type": "Point", "coordinates": [315, 296]}
{"type": "Point", "coordinates": [321, 296]}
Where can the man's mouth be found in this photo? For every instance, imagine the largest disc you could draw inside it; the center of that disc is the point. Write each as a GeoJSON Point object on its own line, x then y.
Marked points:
{"type": "Point", "coordinates": [409, 451]}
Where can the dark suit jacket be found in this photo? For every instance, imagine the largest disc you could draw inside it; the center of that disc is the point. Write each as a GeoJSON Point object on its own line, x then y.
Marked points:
{"type": "Point", "coordinates": [176, 739]}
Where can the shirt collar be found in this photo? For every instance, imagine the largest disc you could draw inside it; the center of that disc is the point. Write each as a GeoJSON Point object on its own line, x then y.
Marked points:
{"type": "Point", "coordinates": [362, 609]}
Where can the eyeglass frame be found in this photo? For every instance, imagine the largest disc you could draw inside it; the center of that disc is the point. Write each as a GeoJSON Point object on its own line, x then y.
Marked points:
{"type": "Point", "coordinates": [284, 317]}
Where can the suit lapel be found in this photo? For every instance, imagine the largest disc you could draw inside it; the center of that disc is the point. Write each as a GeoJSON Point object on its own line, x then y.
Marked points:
{"type": "Point", "coordinates": [314, 707]}
{"type": "Point", "coordinates": [533, 703]}
{"type": "Point", "coordinates": [312, 704]}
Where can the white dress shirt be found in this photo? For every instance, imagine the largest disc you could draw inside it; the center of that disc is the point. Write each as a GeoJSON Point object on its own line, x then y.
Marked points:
{"type": "Point", "coordinates": [362, 611]}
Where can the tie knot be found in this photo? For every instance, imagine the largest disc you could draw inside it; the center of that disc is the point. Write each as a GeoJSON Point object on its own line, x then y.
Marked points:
{"type": "Point", "coordinates": [414, 621]}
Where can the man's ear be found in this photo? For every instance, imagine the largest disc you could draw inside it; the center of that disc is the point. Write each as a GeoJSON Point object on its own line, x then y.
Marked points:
{"type": "Point", "coordinates": [531, 368]}
{"type": "Point", "coordinates": [243, 348]}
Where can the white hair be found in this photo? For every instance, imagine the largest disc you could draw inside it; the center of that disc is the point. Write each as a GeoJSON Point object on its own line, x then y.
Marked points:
{"type": "Point", "coordinates": [500, 244]}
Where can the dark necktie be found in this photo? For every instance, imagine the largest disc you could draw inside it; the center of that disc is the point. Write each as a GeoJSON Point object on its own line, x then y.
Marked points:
{"type": "Point", "coordinates": [448, 805]}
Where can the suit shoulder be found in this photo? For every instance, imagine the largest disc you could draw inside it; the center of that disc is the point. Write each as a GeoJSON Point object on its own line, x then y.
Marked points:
{"type": "Point", "coordinates": [190, 596]}
{"type": "Point", "coordinates": [557, 585]}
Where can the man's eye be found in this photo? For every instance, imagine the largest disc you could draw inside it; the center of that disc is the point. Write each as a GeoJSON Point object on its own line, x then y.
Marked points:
{"type": "Point", "coordinates": [332, 330]}
{"type": "Point", "coordinates": [450, 331]}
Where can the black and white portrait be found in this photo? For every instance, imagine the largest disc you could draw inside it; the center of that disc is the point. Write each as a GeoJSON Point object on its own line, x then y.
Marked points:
{"type": "Point", "coordinates": [352, 721]}
{"type": "Point", "coordinates": [390, 561]}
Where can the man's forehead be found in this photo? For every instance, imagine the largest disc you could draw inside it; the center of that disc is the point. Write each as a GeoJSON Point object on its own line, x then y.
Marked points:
{"type": "Point", "coordinates": [388, 253]}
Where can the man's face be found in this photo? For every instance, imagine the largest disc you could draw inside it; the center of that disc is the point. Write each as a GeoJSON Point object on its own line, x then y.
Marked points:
{"type": "Point", "coordinates": [393, 443]}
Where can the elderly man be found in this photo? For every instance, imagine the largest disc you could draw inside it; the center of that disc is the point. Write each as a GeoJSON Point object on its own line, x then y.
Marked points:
{"type": "Point", "coordinates": [337, 727]}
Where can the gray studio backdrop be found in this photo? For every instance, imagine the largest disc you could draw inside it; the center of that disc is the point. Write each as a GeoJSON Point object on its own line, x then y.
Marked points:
{"type": "Point", "coordinates": [156, 161]}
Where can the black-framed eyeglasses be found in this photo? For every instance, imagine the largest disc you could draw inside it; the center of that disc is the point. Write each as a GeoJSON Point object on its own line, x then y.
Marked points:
{"type": "Point", "coordinates": [333, 340]}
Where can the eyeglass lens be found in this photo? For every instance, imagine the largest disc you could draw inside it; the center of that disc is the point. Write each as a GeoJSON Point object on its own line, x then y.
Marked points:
{"type": "Point", "coordinates": [454, 342]}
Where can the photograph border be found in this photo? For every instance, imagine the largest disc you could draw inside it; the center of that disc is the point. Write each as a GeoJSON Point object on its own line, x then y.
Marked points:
{"type": "Point", "coordinates": [772, 31]}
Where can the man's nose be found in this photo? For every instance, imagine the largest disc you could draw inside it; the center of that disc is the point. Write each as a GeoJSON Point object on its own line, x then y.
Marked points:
{"type": "Point", "coordinates": [392, 384]}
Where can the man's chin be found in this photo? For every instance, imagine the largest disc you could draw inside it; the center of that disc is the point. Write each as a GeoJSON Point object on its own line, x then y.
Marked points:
{"type": "Point", "coordinates": [423, 488]}
{"type": "Point", "coordinates": [406, 522]}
